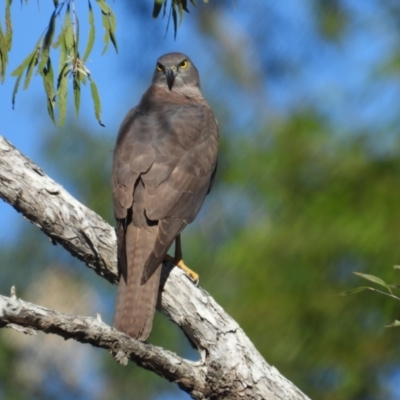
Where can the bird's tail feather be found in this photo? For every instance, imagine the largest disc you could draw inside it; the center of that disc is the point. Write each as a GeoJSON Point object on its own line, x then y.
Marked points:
{"type": "Point", "coordinates": [136, 302]}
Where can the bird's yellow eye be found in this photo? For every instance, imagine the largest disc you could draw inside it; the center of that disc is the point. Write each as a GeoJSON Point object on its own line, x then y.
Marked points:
{"type": "Point", "coordinates": [159, 67]}
{"type": "Point", "coordinates": [183, 64]}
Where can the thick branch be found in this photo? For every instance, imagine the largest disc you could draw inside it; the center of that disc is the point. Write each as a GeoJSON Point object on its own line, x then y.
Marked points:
{"type": "Point", "coordinates": [15, 312]}
{"type": "Point", "coordinates": [231, 367]}
{"type": "Point", "coordinates": [49, 206]}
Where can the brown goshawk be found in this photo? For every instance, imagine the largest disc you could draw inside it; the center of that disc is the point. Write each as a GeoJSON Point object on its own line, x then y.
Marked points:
{"type": "Point", "coordinates": [164, 164]}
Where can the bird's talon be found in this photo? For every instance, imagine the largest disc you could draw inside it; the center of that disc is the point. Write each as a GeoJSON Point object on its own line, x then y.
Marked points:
{"type": "Point", "coordinates": [193, 276]}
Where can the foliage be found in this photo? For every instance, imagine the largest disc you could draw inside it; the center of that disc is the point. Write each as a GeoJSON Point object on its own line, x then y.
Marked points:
{"type": "Point", "coordinates": [176, 9]}
{"type": "Point", "coordinates": [5, 40]}
{"type": "Point", "coordinates": [71, 65]}
{"type": "Point", "coordinates": [378, 281]}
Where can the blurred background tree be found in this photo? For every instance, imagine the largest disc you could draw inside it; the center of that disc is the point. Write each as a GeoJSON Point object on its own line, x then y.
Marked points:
{"type": "Point", "coordinates": [306, 94]}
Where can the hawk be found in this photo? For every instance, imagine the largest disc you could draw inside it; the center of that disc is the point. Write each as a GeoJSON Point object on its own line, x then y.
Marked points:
{"type": "Point", "coordinates": [164, 165]}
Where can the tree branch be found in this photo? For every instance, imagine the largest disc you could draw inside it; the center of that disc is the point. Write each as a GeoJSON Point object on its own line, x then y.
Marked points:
{"type": "Point", "coordinates": [17, 313]}
{"type": "Point", "coordinates": [230, 366]}
{"type": "Point", "coordinates": [48, 205]}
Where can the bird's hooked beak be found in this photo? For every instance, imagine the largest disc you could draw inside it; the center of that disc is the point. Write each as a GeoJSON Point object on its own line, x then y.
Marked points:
{"type": "Point", "coordinates": [170, 73]}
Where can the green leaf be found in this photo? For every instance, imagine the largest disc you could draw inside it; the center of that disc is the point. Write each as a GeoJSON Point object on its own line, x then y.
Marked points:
{"type": "Point", "coordinates": [92, 32]}
{"type": "Point", "coordinates": [96, 100]}
{"type": "Point", "coordinates": [184, 5]}
{"type": "Point", "coordinates": [63, 53]}
{"type": "Point", "coordinates": [60, 39]}
{"type": "Point", "coordinates": [31, 66]}
{"type": "Point", "coordinates": [62, 81]}
{"type": "Point", "coordinates": [157, 7]}
{"type": "Point", "coordinates": [353, 291]}
{"type": "Point", "coordinates": [112, 19]}
{"type": "Point", "coordinates": [76, 34]}
{"type": "Point", "coordinates": [47, 41]}
{"type": "Point", "coordinates": [62, 92]}
{"type": "Point", "coordinates": [395, 324]}
{"type": "Point", "coordinates": [105, 8]}
{"type": "Point", "coordinates": [106, 34]}
{"type": "Point", "coordinates": [109, 24]}
{"type": "Point", "coordinates": [20, 69]}
{"type": "Point", "coordinates": [15, 90]}
{"type": "Point", "coordinates": [9, 30]}
{"type": "Point", "coordinates": [180, 12]}
{"type": "Point", "coordinates": [48, 83]}
{"type": "Point", "coordinates": [174, 18]}
{"type": "Point", "coordinates": [50, 110]}
{"type": "Point", "coordinates": [374, 279]}
{"type": "Point", "coordinates": [77, 92]}
{"type": "Point", "coordinates": [69, 33]}
{"type": "Point", "coordinates": [113, 40]}
{"type": "Point", "coordinates": [83, 75]}
{"type": "Point", "coordinates": [3, 55]}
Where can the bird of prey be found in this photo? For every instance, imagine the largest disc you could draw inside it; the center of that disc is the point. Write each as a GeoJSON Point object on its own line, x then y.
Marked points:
{"type": "Point", "coordinates": [164, 164]}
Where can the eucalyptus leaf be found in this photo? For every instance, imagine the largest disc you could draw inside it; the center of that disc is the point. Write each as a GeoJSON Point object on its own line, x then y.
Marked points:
{"type": "Point", "coordinates": [174, 18]}
{"type": "Point", "coordinates": [47, 41]}
{"type": "Point", "coordinates": [21, 68]}
{"type": "Point", "coordinates": [48, 83]}
{"type": "Point", "coordinates": [374, 279]}
{"type": "Point", "coordinates": [354, 291]}
{"type": "Point", "coordinates": [106, 26]}
{"type": "Point", "coordinates": [76, 33]}
{"type": "Point", "coordinates": [96, 100]}
{"type": "Point", "coordinates": [109, 24]}
{"type": "Point", "coordinates": [92, 32]}
{"type": "Point", "coordinates": [394, 324]}
{"type": "Point", "coordinates": [184, 5]}
{"type": "Point", "coordinates": [31, 67]}
{"type": "Point", "coordinates": [180, 12]}
{"type": "Point", "coordinates": [157, 7]}
{"type": "Point", "coordinates": [9, 30]}
{"type": "Point", "coordinates": [59, 39]}
{"type": "Point", "coordinates": [3, 55]}
{"type": "Point", "coordinates": [77, 92]}
{"type": "Point", "coordinates": [69, 33]}
{"type": "Point", "coordinates": [113, 40]}
{"type": "Point", "coordinates": [15, 90]}
{"type": "Point", "coordinates": [62, 92]}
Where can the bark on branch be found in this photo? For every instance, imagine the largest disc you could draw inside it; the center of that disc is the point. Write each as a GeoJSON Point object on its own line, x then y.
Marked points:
{"type": "Point", "coordinates": [17, 314]}
{"type": "Point", "coordinates": [230, 366]}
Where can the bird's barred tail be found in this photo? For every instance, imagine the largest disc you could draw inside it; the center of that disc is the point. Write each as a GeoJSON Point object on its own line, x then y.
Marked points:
{"type": "Point", "coordinates": [136, 303]}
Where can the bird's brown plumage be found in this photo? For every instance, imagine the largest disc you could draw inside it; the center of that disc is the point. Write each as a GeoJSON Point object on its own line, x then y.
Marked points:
{"type": "Point", "coordinates": [164, 164]}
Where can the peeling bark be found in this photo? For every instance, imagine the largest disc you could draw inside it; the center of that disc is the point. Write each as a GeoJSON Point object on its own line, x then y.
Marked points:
{"type": "Point", "coordinates": [230, 366]}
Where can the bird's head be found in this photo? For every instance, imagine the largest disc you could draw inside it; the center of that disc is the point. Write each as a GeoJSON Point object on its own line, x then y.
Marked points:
{"type": "Point", "coordinates": [176, 70]}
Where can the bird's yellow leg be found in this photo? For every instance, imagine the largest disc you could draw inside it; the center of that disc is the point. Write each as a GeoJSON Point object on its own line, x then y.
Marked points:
{"type": "Point", "coordinates": [177, 260]}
